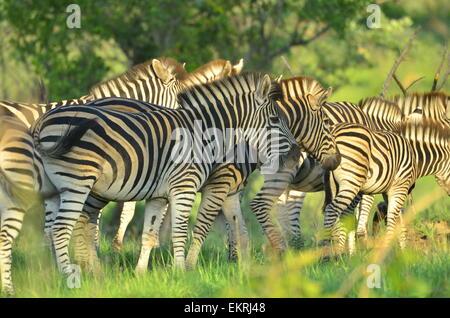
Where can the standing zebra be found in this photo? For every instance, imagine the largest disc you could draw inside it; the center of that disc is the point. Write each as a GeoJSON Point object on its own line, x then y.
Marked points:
{"type": "Point", "coordinates": [432, 106]}
{"type": "Point", "coordinates": [157, 81]}
{"type": "Point", "coordinates": [21, 177]}
{"type": "Point", "coordinates": [207, 73]}
{"type": "Point", "coordinates": [300, 92]}
{"type": "Point", "coordinates": [234, 179]}
{"type": "Point", "coordinates": [141, 145]}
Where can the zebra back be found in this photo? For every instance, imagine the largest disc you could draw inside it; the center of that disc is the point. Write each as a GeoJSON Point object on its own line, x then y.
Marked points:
{"type": "Point", "coordinates": [382, 113]}
{"type": "Point", "coordinates": [29, 113]}
{"type": "Point", "coordinates": [212, 71]}
{"type": "Point", "coordinates": [430, 105]}
{"type": "Point", "coordinates": [156, 81]}
{"type": "Point", "coordinates": [431, 143]}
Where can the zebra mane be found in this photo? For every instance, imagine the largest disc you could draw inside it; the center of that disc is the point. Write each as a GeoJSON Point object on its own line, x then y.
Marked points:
{"type": "Point", "coordinates": [429, 103]}
{"type": "Point", "coordinates": [303, 85]}
{"type": "Point", "coordinates": [240, 84]}
{"type": "Point", "coordinates": [216, 67]}
{"type": "Point", "coordinates": [428, 130]}
{"type": "Point", "coordinates": [144, 71]}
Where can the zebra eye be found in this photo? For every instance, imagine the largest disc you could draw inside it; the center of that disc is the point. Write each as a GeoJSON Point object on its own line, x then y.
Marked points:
{"type": "Point", "coordinates": [275, 120]}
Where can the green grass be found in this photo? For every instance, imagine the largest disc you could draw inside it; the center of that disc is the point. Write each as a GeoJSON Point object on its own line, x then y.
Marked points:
{"type": "Point", "coordinates": [421, 271]}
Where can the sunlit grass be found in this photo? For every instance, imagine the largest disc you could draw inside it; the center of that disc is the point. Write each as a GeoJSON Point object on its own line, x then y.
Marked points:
{"type": "Point", "coordinates": [422, 270]}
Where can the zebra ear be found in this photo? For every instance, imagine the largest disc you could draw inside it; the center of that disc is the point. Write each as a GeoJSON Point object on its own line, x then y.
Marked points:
{"type": "Point", "coordinates": [313, 101]}
{"type": "Point", "coordinates": [161, 71]}
{"type": "Point", "coordinates": [237, 68]}
{"type": "Point", "coordinates": [227, 70]}
{"type": "Point", "coordinates": [263, 89]}
{"type": "Point", "coordinates": [325, 95]}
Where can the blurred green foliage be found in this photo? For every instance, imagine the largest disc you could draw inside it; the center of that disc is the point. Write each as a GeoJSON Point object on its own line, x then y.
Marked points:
{"type": "Point", "coordinates": [324, 38]}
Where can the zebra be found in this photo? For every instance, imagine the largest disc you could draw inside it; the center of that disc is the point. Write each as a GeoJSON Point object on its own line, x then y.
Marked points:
{"type": "Point", "coordinates": [21, 178]}
{"type": "Point", "coordinates": [286, 186]}
{"type": "Point", "coordinates": [235, 178]}
{"type": "Point", "coordinates": [157, 81]}
{"type": "Point", "coordinates": [430, 144]}
{"type": "Point", "coordinates": [214, 70]}
{"type": "Point", "coordinates": [107, 138]}
{"type": "Point", "coordinates": [430, 105]}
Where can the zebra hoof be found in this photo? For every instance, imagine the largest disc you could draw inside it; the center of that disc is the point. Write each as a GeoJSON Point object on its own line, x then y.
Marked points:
{"type": "Point", "coordinates": [8, 291]}
{"type": "Point", "coordinates": [117, 246]}
{"type": "Point", "coordinates": [297, 242]}
{"type": "Point", "coordinates": [232, 257]}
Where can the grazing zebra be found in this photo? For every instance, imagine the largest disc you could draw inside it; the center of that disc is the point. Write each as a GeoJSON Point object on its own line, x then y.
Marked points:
{"type": "Point", "coordinates": [21, 177]}
{"type": "Point", "coordinates": [127, 156]}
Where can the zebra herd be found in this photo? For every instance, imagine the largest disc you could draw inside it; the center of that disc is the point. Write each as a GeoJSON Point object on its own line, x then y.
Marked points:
{"type": "Point", "coordinates": [117, 144]}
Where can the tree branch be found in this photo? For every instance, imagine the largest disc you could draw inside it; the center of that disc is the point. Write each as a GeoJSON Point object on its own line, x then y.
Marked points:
{"type": "Point", "coordinates": [439, 69]}
{"type": "Point", "coordinates": [397, 63]}
{"type": "Point", "coordinates": [298, 41]}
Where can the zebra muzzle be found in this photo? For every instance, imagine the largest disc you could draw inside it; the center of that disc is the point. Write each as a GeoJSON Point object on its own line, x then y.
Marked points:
{"type": "Point", "coordinates": [290, 159]}
{"type": "Point", "coordinates": [331, 161]}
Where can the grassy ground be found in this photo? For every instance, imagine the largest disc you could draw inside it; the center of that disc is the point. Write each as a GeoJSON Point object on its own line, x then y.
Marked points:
{"type": "Point", "coordinates": [422, 270]}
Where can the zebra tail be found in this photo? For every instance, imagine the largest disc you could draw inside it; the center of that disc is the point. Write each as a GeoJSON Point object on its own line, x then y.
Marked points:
{"type": "Point", "coordinates": [65, 142]}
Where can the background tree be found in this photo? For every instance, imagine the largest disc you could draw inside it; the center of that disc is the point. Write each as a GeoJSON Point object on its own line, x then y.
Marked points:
{"type": "Point", "coordinates": [326, 39]}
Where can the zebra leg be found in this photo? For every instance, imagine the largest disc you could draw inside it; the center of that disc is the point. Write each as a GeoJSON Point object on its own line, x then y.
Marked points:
{"type": "Point", "coordinates": [155, 210]}
{"type": "Point", "coordinates": [93, 208]}
{"type": "Point", "coordinates": [80, 242]}
{"type": "Point", "coordinates": [181, 203]}
{"type": "Point", "coordinates": [264, 201]}
{"type": "Point", "coordinates": [212, 202]}
{"type": "Point", "coordinates": [232, 211]}
{"type": "Point", "coordinates": [125, 218]}
{"type": "Point", "coordinates": [363, 216]}
{"type": "Point", "coordinates": [294, 205]}
{"type": "Point", "coordinates": [396, 201]}
{"type": "Point", "coordinates": [11, 224]}
{"type": "Point", "coordinates": [348, 215]}
{"type": "Point", "coordinates": [231, 238]}
{"type": "Point", "coordinates": [334, 231]}
{"type": "Point", "coordinates": [51, 209]}
{"type": "Point", "coordinates": [71, 206]}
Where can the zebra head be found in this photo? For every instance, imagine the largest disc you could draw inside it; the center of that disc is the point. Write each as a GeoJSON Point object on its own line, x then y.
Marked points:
{"type": "Point", "coordinates": [275, 141]}
{"type": "Point", "coordinates": [324, 147]}
{"type": "Point", "coordinates": [157, 81]}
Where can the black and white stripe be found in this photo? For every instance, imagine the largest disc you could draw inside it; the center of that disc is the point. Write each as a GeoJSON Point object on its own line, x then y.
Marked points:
{"type": "Point", "coordinates": [120, 155]}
